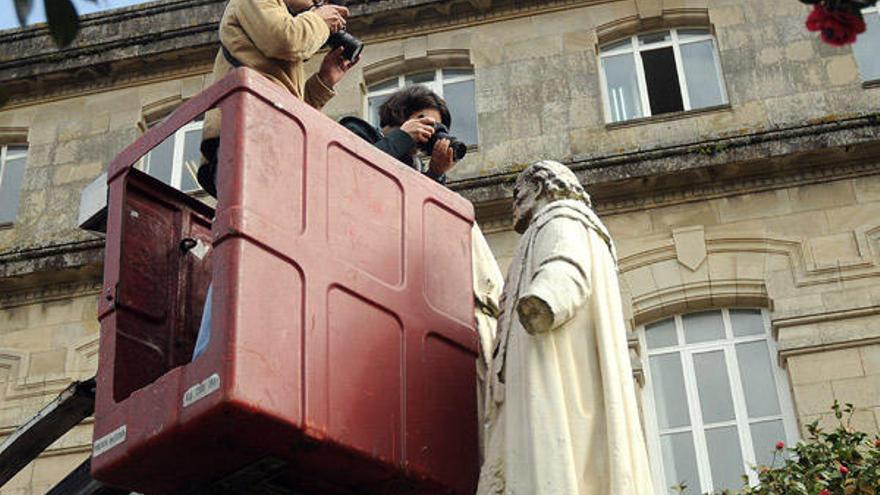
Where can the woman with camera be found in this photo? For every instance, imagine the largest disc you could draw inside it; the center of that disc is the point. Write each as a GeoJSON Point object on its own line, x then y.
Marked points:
{"type": "Point", "coordinates": [414, 119]}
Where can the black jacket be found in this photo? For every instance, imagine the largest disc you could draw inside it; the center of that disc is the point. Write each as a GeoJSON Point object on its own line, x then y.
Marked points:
{"type": "Point", "coordinates": [397, 143]}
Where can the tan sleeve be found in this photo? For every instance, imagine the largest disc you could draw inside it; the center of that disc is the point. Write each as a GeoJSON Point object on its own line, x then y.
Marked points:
{"type": "Point", "coordinates": [277, 33]}
{"type": "Point", "coordinates": [317, 94]}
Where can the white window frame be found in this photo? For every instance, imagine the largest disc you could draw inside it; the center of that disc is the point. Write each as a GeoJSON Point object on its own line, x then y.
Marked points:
{"type": "Point", "coordinates": [696, 427]}
{"type": "Point", "coordinates": [4, 155]}
{"type": "Point", "coordinates": [435, 85]}
{"type": "Point", "coordinates": [177, 164]}
{"type": "Point", "coordinates": [868, 10]}
{"type": "Point", "coordinates": [635, 49]}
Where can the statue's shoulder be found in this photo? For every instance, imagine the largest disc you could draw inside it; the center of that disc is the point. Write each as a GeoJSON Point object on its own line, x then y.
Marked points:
{"type": "Point", "coordinates": [562, 210]}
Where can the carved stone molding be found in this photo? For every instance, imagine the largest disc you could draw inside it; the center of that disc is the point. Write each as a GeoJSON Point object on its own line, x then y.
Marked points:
{"type": "Point", "coordinates": [651, 18]}
{"type": "Point", "coordinates": [432, 59]}
{"type": "Point", "coordinates": [771, 159]}
{"type": "Point", "coordinates": [699, 296]}
{"type": "Point", "coordinates": [49, 293]}
{"type": "Point", "coordinates": [736, 282]}
{"type": "Point", "coordinates": [173, 38]}
{"type": "Point", "coordinates": [34, 268]}
{"type": "Point", "coordinates": [80, 363]}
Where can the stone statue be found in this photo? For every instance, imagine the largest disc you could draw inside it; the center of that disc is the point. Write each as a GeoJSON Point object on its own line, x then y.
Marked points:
{"type": "Point", "coordinates": [488, 282]}
{"type": "Point", "coordinates": [563, 418]}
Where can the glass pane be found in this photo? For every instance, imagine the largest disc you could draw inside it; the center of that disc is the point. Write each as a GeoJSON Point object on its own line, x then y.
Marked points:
{"type": "Point", "coordinates": [15, 152]}
{"type": "Point", "coordinates": [457, 73]}
{"type": "Point", "coordinates": [382, 86]}
{"type": "Point", "coordinates": [624, 100]}
{"type": "Point", "coordinates": [647, 39]}
{"type": "Point", "coordinates": [373, 105]}
{"type": "Point", "coordinates": [10, 188]}
{"type": "Point", "coordinates": [191, 158]}
{"type": "Point", "coordinates": [747, 322]}
{"type": "Point", "coordinates": [725, 458]}
{"type": "Point", "coordinates": [764, 438]}
{"type": "Point", "coordinates": [865, 48]}
{"type": "Point", "coordinates": [680, 461]}
{"type": "Point", "coordinates": [627, 43]}
{"type": "Point", "coordinates": [159, 161]}
{"type": "Point", "coordinates": [420, 78]}
{"type": "Point", "coordinates": [460, 98]}
{"type": "Point", "coordinates": [664, 91]}
{"type": "Point", "coordinates": [685, 34]}
{"type": "Point", "coordinates": [661, 334]}
{"type": "Point", "coordinates": [704, 85]}
{"type": "Point", "coordinates": [713, 384]}
{"type": "Point", "coordinates": [669, 396]}
{"type": "Point", "coordinates": [759, 385]}
{"type": "Point", "coordinates": [703, 327]}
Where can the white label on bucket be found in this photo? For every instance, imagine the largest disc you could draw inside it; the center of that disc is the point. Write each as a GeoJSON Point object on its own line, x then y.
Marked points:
{"type": "Point", "coordinates": [108, 441]}
{"type": "Point", "coordinates": [201, 390]}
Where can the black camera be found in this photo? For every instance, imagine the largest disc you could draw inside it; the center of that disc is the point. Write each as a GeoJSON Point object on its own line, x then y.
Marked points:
{"type": "Point", "coordinates": [352, 47]}
{"type": "Point", "coordinates": [459, 149]}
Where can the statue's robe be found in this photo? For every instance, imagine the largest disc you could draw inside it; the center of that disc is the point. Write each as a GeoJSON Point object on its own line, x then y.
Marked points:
{"type": "Point", "coordinates": [488, 281]}
{"type": "Point", "coordinates": [567, 421]}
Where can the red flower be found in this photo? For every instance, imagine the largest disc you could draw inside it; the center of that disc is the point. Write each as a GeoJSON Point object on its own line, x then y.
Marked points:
{"type": "Point", "coordinates": [780, 445]}
{"type": "Point", "coordinates": [843, 470]}
{"type": "Point", "coordinates": [824, 492]}
{"type": "Point", "coordinates": [837, 27]}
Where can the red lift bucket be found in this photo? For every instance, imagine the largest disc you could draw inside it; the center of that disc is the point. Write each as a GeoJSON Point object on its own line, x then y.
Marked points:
{"type": "Point", "coordinates": [342, 347]}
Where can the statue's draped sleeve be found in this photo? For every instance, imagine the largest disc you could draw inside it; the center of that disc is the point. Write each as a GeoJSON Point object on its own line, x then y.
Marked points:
{"type": "Point", "coordinates": [561, 273]}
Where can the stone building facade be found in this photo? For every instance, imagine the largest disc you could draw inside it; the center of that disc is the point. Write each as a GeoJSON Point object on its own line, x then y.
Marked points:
{"type": "Point", "coordinates": [734, 157]}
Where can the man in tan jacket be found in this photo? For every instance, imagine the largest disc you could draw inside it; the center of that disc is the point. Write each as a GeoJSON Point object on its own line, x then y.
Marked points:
{"type": "Point", "coordinates": [275, 37]}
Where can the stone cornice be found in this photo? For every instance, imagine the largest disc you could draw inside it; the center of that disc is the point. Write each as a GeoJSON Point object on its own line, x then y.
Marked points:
{"type": "Point", "coordinates": [178, 35]}
{"type": "Point", "coordinates": [48, 293]}
{"type": "Point", "coordinates": [36, 272]}
{"type": "Point", "coordinates": [769, 159]}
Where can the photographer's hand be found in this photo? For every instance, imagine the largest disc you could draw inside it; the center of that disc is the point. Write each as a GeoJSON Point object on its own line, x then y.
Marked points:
{"type": "Point", "coordinates": [333, 15]}
{"type": "Point", "coordinates": [441, 158]}
{"type": "Point", "coordinates": [419, 129]}
{"type": "Point", "coordinates": [334, 67]}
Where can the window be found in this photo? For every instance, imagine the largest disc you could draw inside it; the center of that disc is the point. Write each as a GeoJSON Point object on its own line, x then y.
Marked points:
{"type": "Point", "coordinates": [657, 73]}
{"type": "Point", "coordinates": [720, 402]}
{"type": "Point", "coordinates": [176, 160]}
{"type": "Point", "coordinates": [13, 159]}
{"type": "Point", "coordinates": [866, 44]}
{"type": "Point", "coordinates": [456, 86]}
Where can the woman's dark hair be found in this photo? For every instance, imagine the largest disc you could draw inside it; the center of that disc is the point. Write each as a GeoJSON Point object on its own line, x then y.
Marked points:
{"type": "Point", "coordinates": [409, 100]}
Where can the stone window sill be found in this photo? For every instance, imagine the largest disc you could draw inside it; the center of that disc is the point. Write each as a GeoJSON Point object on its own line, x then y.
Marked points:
{"type": "Point", "coordinates": [668, 116]}
{"type": "Point", "coordinates": [7, 225]}
{"type": "Point", "coordinates": [871, 84]}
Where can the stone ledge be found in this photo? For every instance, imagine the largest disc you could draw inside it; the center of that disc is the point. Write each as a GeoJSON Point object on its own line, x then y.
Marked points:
{"type": "Point", "coordinates": [22, 270]}
{"type": "Point", "coordinates": [181, 34]}
{"type": "Point", "coordinates": [618, 182]}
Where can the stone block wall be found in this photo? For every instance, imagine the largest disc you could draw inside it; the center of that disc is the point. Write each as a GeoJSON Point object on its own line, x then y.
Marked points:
{"type": "Point", "coordinates": [47, 339]}
{"type": "Point", "coordinates": [803, 246]}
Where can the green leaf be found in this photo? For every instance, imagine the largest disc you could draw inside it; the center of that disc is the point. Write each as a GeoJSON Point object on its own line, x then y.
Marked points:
{"type": "Point", "coordinates": [63, 21]}
{"type": "Point", "coordinates": [22, 10]}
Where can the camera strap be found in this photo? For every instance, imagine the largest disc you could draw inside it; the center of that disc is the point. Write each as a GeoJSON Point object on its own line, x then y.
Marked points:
{"type": "Point", "coordinates": [234, 62]}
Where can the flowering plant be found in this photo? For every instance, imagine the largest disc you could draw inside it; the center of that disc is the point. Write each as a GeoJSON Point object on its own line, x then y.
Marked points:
{"type": "Point", "coordinates": [839, 22]}
{"type": "Point", "coordinates": [840, 462]}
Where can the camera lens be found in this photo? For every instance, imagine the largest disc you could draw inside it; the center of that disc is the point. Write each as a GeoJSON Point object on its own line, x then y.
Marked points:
{"type": "Point", "coordinates": [459, 149]}
{"type": "Point", "coordinates": [352, 47]}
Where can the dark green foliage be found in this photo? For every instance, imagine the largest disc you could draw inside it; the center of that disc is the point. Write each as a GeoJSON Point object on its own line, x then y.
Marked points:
{"type": "Point", "coordinates": [840, 462]}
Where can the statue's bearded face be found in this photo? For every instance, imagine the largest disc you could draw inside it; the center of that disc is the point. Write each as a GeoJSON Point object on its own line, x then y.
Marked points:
{"type": "Point", "coordinates": [526, 200]}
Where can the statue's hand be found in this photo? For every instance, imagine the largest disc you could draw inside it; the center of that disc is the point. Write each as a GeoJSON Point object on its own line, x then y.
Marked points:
{"type": "Point", "coordinates": [534, 314]}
